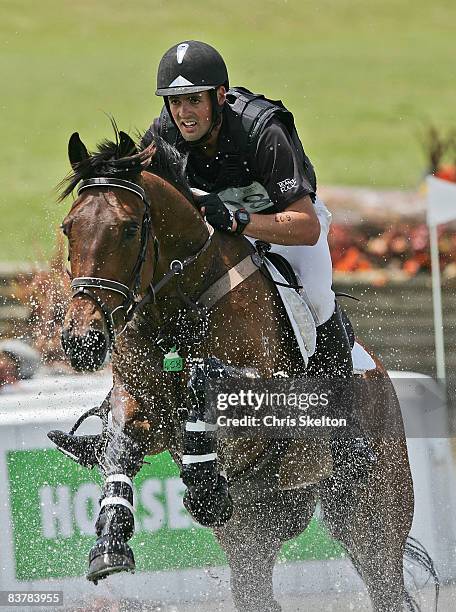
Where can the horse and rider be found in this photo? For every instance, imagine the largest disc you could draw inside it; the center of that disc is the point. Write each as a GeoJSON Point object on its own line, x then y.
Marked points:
{"type": "Point", "coordinates": [156, 275]}
{"type": "Point", "coordinates": [244, 151]}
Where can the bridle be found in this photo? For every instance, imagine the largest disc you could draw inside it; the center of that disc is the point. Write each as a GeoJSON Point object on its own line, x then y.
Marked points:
{"type": "Point", "coordinates": [132, 302]}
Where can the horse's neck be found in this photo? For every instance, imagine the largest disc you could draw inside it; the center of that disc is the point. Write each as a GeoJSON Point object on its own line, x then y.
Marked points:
{"type": "Point", "coordinates": [176, 222]}
{"type": "Point", "coordinates": [182, 232]}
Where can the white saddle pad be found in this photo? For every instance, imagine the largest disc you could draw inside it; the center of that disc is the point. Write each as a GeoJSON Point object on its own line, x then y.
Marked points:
{"type": "Point", "coordinates": [299, 314]}
{"type": "Point", "coordinates": [362, 361]}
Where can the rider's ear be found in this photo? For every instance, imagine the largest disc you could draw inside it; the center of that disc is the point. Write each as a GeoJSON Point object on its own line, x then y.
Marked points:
{"type": "Point", "coordinates": [77, 151]}
{"type": "Point", "coordinates": [221, 95]}
{"type": "Point", "coordinates": [127, 145]}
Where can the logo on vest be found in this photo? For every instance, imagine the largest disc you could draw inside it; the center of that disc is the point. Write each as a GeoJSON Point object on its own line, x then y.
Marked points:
{"type": "Point", "coordinates": [287, 184]}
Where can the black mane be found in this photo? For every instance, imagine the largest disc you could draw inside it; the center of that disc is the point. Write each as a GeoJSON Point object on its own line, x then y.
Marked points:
{"type": "Point", "coordinates": [169, 163]}
{"type": "Point", "coordinates": [110, 160]}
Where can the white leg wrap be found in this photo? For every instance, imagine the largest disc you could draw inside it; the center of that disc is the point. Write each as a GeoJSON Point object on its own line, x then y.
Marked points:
{"type": "Point", "coordinates": [119, 478]}
{"type": "Point", "coordinates": [188, 459]}
{"type": "Point", "coordinates": [119, 501]}
{"type": "Point", "coordinates": [200, 426]}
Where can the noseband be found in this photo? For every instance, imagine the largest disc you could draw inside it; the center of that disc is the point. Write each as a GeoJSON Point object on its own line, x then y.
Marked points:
{"type": "Point", "coordinates": [81, 285]}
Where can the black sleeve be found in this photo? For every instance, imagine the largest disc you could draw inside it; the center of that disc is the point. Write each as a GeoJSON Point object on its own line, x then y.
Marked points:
{"type": "Point", "coordinates": [279, 167]}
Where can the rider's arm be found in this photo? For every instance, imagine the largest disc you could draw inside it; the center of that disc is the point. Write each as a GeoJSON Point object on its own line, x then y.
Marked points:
{"type": "Point", "coordinates": [279, 167]}
{"type": "Point", "coordinates": [297, 224]}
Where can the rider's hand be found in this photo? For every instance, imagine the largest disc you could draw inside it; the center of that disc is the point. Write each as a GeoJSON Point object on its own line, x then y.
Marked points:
{"type": "Point", "coordinates": [216, 213]}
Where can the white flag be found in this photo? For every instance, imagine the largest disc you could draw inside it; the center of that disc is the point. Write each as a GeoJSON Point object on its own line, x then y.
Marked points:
{"type": "Point", "coordinates": [441, 200]}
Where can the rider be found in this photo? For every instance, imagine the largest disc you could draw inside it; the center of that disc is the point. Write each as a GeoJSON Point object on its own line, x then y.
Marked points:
{"type": "Point", "coordinates": [244, 150]}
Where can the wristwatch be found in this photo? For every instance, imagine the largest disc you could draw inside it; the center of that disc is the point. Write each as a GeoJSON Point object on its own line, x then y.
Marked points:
{"type": "Point", "coordinates": [242, 217]}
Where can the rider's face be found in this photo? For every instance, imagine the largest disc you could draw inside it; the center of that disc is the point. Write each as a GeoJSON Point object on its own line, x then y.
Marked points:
{"type": "Point", "coordinates": [193, 112]}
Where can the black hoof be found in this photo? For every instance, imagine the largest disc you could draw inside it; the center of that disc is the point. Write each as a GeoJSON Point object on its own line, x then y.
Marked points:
{"type": "Point", "coordinates": [81, 449]}
{"type": "Point", "coordinates": [211, 508]}
{"type": "Point", "coordinates": [109, 556]}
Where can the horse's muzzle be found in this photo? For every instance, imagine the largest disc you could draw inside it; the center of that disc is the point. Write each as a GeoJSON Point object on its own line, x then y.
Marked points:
{"type": "Point", "coordinates": [86, 353]}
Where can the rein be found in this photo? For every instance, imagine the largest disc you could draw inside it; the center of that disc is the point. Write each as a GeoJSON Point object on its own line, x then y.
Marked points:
{"type": "Point", "coordinates": [81, 285]}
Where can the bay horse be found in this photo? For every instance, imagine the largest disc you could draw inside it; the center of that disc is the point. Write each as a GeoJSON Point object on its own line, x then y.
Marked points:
{"type": "Point", "coordinates": [140, 256]}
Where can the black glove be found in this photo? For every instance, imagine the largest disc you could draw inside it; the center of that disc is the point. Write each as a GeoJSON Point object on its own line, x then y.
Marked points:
{"type": "Point", "coordinates": [217, 214]}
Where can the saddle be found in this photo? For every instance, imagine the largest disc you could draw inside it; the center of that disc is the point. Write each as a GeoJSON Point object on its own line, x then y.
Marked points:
{"type": "Point", "coordinates": [284, 268]}
{"type": "Point", "coordinates": [299, 312]}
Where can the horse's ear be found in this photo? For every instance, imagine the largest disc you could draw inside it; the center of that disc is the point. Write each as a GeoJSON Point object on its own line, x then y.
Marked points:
{"type": "Point", "coordinates": [127, 145]}
{"type": "Point", "coordinates": [77, 151]}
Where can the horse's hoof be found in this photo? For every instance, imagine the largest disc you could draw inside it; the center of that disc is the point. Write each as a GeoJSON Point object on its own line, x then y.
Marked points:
{"type": "Point", "coordinates": [82, 449]}
{"type": "Point", "coordinates": [109, 556]}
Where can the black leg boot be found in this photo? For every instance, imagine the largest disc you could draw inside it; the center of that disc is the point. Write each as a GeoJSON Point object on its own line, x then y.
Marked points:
{"type": "Point", "coordinates": [85, 450]}
{"type": "Point", "coordinates": [353, 456]}
{"type": "Point", "coordinates": [207, 497]}
{"type": "Point", "coordinates": [121, 460]}
{"type": "Point", "coordinates": [82, 449]}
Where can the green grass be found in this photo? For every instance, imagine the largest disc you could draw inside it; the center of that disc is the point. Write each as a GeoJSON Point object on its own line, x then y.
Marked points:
{"type": "Point", "coordinates": [362, 77]}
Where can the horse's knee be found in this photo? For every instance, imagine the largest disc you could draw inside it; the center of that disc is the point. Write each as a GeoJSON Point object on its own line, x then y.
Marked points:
{"type": "Point", "coordinates": [128, 416]}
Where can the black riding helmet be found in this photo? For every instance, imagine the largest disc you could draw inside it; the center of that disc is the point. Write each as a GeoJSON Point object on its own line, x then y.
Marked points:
{"type": "Point", "coordinates": [191, 67]}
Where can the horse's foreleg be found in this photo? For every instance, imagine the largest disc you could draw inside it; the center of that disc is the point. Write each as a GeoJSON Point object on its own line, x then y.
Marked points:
{"type": "Point", "coordinates": [120, 459]}
{"type": "Point", "coordinates": [207, 498]}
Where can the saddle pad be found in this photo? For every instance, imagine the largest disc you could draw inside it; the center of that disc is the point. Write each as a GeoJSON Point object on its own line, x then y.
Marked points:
{"type": "Point", "coordinates": [362, 361]}
{"type": "Point", "coordinates": [299, 315]}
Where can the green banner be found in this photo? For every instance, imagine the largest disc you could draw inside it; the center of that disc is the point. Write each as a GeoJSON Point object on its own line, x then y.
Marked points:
{"type": "Point", "coordinates": [54, 506]}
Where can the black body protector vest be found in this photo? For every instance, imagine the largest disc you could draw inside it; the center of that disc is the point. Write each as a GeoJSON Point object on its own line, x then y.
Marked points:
{"type": "Point", "coordinates": [246, 115]}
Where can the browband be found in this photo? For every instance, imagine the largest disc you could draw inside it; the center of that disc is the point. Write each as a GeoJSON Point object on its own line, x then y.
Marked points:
{"type": "Point", "coordinates": [111, 182]}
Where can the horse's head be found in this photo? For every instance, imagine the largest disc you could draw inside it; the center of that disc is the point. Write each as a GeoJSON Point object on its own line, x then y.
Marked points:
{"type": "Point", "coordinates": [110, 250]}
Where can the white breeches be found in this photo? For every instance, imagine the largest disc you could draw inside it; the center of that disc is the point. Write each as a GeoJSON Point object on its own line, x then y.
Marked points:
{"type": "Point", "coordinates": [313, 266]}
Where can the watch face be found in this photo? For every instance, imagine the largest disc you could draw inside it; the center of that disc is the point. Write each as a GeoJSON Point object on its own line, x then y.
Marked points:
{"type": "Point", "coordinates": [243, 216]}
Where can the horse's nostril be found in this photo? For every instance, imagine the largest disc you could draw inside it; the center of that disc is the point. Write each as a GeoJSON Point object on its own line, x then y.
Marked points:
{"type": "Point", "coordinates": [87, 352]}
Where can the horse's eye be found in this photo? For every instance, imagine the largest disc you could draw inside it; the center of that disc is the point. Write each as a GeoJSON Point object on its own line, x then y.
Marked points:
{"type": "Point", "coordinates": [131, 230]}
{"type": "Point", "coordinates": [64, 229]}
